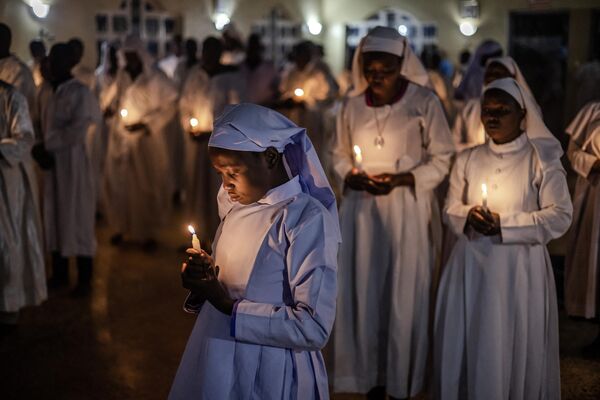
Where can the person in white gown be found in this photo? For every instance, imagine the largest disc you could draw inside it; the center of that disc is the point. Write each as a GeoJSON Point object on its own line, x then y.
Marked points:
{"type": "Point", "coordinates": [258, 74]}
{"type": "Point", "coordinates": [22, 268]}
{"type": "Point", "coordinates": [37, 49]}
{"type": "Point", "coordinates": [307, 91]}
{"type": "Point", "coordinates": [468, 130]}
{"type": "Point", "coordinates": [390, 219]}
{"type": "Point", "coordinates": [266, 298]}
{"type": "Point", "coordinates": [14, 71]}
{"type": "Point", "coordinates": [582, 267]}
{"type": "Point", "coordinates": [186, 63]}
{"type": "Point", "coordinates": [472, 81]}
{"type": "Point", "coordinates": [69, 200]}
{"type": "Point", "coordinates": [139, 179]}
{"type": "Point", "coordinates": [209, 87]}
{"type": "Point", "coordinates": [496, 320]}
{"type": "Point", "coordinates": [80, 71]}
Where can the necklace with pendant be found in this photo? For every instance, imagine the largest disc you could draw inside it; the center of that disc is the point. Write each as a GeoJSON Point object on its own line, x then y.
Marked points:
{"type": "Point", "coordinates": [379, 141]}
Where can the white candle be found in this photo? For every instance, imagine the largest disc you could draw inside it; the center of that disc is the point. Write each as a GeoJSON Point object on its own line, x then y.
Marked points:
{"type": "Point", "coordinates": [195, 241]}
{"type": "Point", "coordinates": [299, 92]}
{"type": "Point", "coordinates": [124, 112]}
{"type": "Point", "coordinates": [484, 196]}
{"type": "Point", "coordinates": [193, 122]}
{"type": "Point", "coordinates": [358, 158]}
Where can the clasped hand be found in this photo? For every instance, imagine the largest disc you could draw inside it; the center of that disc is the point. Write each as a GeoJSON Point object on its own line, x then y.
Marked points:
{"type": "Point", "coordinates": [199, 275]}
{"type": "Point", "coordinates": [484, 221]}
{"type": "Point", "coordinates": [377, 185]}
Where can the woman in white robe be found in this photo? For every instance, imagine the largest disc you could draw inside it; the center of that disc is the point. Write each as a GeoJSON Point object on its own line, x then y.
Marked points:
{"type": "Point", "coordinates": [14, 71]}
{"type": "Point", "coordinates": [139, 179]}
{"type": "Point", "coordinates": [209, 87]}
{"type": "Point", "coordinates": [582, 290]}
{"type": "Point", "coordinates": [468, 130]}
{"type": "Point", "coordinates": [496, 321]}
{"type": "Point", "coordinates": [22, 272]}
{"type": "Point", "coordinates": [391, 227]}
{"type": "Point", "coordinates": [262, 324]}
{"type": "Point", "coordinates": [69, 200]}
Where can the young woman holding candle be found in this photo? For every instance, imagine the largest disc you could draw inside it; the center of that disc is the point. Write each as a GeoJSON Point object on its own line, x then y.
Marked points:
{"type": "Point", "coordinates": [582, 290]}
{"type": "Point", "coordinates": [496, 326]}
{"type": "Point", "coordinates": [266, 304]}
{"type": "Point", "coordinates": [390, 219]}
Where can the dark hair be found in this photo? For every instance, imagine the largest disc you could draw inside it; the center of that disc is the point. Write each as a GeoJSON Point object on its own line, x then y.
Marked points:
{"type": "Point", "coordinates": [5, 35]}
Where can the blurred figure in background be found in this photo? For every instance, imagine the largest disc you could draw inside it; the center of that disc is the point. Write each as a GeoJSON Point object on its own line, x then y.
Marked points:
{"type": "Point", "coordinates": [69, 193]}
{"type": "Point", "coordinates": [233, 45]}
{"type": "Point", "coordinates": [187, 62]}
{"type": "Point", "coordinates": [260, 76]}
{"type": "Point", "coordinates": [472, 81]}
{"type": "Point", "coordinates": [37, 49]}
{"type": "Point", "coordinates": [209, 87]}
{"type": "Point", "coordinates": [432, 60]}
{"type": "Point", "coordinates": [169, 63]}
{"type": "Point", "coordinates": [139, 174]}
{"type": "Point", "coordinates": [13, 70]}
{"type": "Point", "coordinates": [22, 269]}
{"type": "Point", "coordinates": [80, 72]}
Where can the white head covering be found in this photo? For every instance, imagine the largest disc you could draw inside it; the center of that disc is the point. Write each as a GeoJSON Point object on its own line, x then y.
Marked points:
{"type": "Point", "coordinates": [586, 125]}
{"type": "Point", "coordinates": [387, 40]}
{"type": "Point", "coordinates": [546, 146]}
{"type": "Point", "coordinates": [511, 65]}
{"type": "Point", "coordinates": [133, 43]}
{"type": "Point", "coordinates": [250, 127]}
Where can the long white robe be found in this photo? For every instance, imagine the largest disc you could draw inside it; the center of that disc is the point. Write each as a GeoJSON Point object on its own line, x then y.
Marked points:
{"type": "Point", "coordinates": [496, 325]}
{"type": "Point", "coordinates": [390, 244]}
{"type": "Point", "coordinates": [319, 90]}
{"type": "Point", "coordinates": [17, 73]}
{"type": "Point", "coordinates": [278, 258]}
{"type": "Point", "coordinates": [22, 272]}
{"type": "Point", "coordinates": [69, 200]}
{"type": "Point", "coordinates": [204, 98]}
{"type": "Point", "coordinates": [582, 290]}
{"type": "Point", "coordinates": [139, 183]}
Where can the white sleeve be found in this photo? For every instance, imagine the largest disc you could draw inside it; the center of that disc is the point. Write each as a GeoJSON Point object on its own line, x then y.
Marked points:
{"type": "Point", "coordinates": [17, 146]}
{"type": "Point", "coordinates": [456, 210]}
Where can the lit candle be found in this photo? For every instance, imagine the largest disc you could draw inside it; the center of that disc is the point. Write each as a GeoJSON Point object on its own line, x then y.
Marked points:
{"type": "Point", "coordinates": [193, 122]}
{"type": "Point", "coordinates": [358, 158]}
{"type": "Point", "coordinates": [299, 92]}
{"type": "Point", "coordinates": [484, 196]}
{"type": "Point", "coordinates": [195, 241]}
{"type": "Point", "coordinates": [124, 112]}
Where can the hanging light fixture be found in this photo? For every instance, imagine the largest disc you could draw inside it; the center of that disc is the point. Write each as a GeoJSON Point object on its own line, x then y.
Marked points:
{"type": "Point", "coordinates": [39, 9]}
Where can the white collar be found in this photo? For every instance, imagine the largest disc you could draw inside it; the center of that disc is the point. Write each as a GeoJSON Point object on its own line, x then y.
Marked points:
{"type": "Point", "coordinates": [282, 192]}
{"type": "Point", "coordinates": [510, 147]}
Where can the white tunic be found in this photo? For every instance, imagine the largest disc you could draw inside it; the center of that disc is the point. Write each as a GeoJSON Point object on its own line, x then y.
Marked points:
{"type": "Point", "coordinates": [138, 171]}
{"type": "Point", "coordinates": [23, 281]}
{"type": "Point", "coordinates": [69, 193]}
{"type": "Point", "coordinates": [390, 244]}
{"type": "Point", "coordinates": [496, 326]}
{"type": "Point", "coordinates": [319, 90]}
{"type": "Point", "coordinates": [582, 290]}
{"type": "Point", "coordinates": [278, 258]}
{"type": "Point", "coordinates": [204, 98]}
{"type": "Point", "coordinates": [18, 74]}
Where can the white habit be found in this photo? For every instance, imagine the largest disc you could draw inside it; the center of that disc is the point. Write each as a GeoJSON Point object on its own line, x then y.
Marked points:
{"type": "Point", "coordinates": [496, 321]}
{"type": "Point", "coordinates": [22, 272]}
{"type": "Point", "coordinates": [17, 73]}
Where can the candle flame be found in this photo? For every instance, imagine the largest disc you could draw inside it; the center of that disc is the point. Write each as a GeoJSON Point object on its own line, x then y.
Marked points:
{"type": "Point", "coordinates": [484, 191]}
{"type": "Point", "coordinates": [299, 92]}
{"type": "Point", "coordinates": [191, 229]}
{"type": "Point", "coordinates": [124, 112]}
{"type": "Point", "coordinates": [357, 153]}
{"type": "Point", "coordinates": [193, 122]}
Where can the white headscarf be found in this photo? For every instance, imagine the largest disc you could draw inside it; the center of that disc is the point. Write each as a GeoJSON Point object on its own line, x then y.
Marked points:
{"type": "Point", "coordinates": [250, 127]}
{"type": "Point", "coordinates": [472, 82]}
{"type": "Point", "coordinates": [511, 65]}
{"type": "Point", "coordinates": [546, 146]}
{"type": "Point", "coordinates": [387, 40]}
{"type": "Point", "coordinates": [133, 43]}
{"type": "Point", "coordinates": [586, 125]}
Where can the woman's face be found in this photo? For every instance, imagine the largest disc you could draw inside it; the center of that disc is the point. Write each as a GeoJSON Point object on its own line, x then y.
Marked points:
{"type": "Point", "coordinates": [243, 174]}
{"type": "Point", "coordinates": [495, 71]}
{"type": "Point", "coordinates": [382, 72]}
{"type": "Point", "coordinates": [501, 116]}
